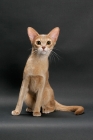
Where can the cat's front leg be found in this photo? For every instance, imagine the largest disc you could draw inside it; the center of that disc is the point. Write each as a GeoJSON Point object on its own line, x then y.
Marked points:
{"type": "Point", "coordinates": [36, 111]}
{"type": "Point", "coordinates": [23, 91]}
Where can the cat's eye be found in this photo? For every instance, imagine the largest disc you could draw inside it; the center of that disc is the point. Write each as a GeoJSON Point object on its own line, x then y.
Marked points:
{"type": "Point", "coordinates": [38, 42]}
{"type": "Point", "coordinates": [48, 42]}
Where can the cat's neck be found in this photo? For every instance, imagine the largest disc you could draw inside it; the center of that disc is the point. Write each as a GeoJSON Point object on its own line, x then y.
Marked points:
{"type": "Point", "coordinates": [40, 61]}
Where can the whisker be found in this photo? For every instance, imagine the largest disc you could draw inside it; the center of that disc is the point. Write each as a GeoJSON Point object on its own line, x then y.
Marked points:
{"type": "Point", "coordinates": [34, 51]}
{"type": "Point", "coordinates": [56, 55]}
{"type": "Point", "coordinates": [51, 57]}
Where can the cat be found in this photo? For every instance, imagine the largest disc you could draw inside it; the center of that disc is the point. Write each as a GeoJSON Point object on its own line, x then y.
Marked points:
{"type": "Point", "coordinates": [35, 90]}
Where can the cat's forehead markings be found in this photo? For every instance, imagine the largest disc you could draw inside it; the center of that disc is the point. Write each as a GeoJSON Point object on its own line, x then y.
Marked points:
{"type": "Point", "coordinates": [44, 37]}
{"type": "Point", "coordinates": [41, 36]}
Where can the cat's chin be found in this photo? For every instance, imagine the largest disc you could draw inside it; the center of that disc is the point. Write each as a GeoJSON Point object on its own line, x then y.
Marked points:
{"type": "Point", "coordinates": [43, 53]}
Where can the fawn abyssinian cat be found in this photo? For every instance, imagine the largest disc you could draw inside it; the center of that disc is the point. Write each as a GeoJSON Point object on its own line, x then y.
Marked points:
{"type": "Point", "coordinates": [35, 89]}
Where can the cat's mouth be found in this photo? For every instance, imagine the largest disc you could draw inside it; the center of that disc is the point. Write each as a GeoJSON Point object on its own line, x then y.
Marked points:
{"type": "Point", "coordinates": [44, 52]}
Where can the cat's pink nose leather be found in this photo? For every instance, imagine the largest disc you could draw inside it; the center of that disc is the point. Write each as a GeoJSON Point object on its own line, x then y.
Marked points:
{"type": "Point", "coordinates": [43, 47]}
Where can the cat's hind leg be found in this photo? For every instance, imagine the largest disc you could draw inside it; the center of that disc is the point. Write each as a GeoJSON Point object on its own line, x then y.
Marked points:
{"type": "Point", "coordinates": [48, 108]}
{"type": "Point", "coordinates": [48, 101]}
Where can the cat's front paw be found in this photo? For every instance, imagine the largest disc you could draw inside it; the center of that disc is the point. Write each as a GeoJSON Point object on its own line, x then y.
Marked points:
{"type": "Point", "coordinates": [37, 114]}
{"type": "Point", "coordinates": [15, 112]}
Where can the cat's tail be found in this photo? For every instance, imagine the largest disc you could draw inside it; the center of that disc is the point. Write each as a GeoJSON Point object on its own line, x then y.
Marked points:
{"type": "Point", "coordinates": [77, 109]}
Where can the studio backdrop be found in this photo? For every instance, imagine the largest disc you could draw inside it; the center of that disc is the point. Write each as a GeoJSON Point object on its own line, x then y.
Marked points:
{"type": "Point", "coordinates": [71, 69]}
{"type": "Point", "coordinates": [75, 43]}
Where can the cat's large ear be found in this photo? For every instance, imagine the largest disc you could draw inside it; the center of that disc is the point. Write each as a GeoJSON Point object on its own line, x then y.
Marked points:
{"type": "Point", "coordinates": [32, 33]}
{"type": "Point", "coordinates": [54, 33]}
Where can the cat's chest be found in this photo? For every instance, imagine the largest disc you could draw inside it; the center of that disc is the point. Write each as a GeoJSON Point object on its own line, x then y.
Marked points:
{"type": "Point", "coordinates": [34, 83]}
{"type": "Point", "coordinates": [34, 68]}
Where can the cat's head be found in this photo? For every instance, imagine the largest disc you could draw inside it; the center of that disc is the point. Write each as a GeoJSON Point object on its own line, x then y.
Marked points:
{"type": "Point", "coordinates": [42, 44]}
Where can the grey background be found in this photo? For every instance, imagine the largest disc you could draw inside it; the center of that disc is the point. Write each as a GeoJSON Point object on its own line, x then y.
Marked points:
{"type": "Point", "coordinates": [71, 74]}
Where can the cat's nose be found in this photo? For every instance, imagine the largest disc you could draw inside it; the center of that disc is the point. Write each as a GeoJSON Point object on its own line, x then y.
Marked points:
{"type": "Point", "coordinates": [43, 47]}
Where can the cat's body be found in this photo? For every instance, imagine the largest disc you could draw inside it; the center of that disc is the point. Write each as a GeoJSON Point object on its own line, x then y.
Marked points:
{"type": "Point", "coordinates": [36, 90]}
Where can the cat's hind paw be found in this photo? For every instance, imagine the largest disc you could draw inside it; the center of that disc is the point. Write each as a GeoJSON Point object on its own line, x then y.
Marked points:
{"type": "Point", "coordinates": [28, 110]}
{"type": "Point", "coordinates": [47, 110]}
{"type": "Point", "coordinates": [14, 112]}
